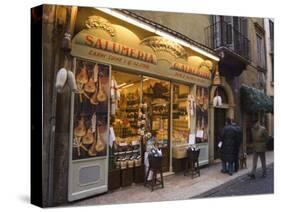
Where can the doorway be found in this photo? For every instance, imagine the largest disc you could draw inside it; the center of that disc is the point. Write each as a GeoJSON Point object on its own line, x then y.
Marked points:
{"type": "Point", "coordinates": [219, 122]}
{"type": "Point", "coordinates": [156, 94]}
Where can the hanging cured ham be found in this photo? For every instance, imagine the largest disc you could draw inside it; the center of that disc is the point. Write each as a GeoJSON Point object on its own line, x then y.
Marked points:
{"type": "Point", "coordinates": [101, 95]}
{"type": "Point", "coordinates": [88, 138]}
{"type": "Point", "coordinates": [82, 76]}
{"type": "Point", "coordinates": [90, 86]}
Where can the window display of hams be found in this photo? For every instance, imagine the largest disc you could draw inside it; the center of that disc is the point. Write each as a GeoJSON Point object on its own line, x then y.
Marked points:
{"type": "Point", "coordinates": [90, 124]}
{"type": "Point", "coordinates": [101, 137]}
{"type": "Point", "coordinates": [80, 129]}
{"type": "Point", "coordinates": [88, 139]}
{"type": "Point", "coordinates": [101, 94]}
{"type": "Point", "coordinates": [89, 84]}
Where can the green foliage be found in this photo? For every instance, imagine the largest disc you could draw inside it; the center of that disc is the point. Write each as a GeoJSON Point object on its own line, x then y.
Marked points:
{"type": "Point", "coordinates": [254, 100]}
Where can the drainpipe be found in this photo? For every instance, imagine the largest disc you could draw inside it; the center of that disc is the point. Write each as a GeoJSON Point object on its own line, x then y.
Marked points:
{"type": "Point", "coordinates": [65, 51]}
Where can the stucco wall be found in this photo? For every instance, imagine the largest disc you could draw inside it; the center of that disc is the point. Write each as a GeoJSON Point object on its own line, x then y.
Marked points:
{"type": "Point", "coordinates": [191, 25]}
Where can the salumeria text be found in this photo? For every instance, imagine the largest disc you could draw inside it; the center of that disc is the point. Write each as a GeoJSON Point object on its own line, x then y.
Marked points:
{"type": "Point", "coordinates": [117, 48]}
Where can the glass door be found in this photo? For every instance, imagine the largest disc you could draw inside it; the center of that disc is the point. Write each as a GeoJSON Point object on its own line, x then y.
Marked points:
{"type": "Point", "coordinates": [88, 166]}
{"type": "Point", "coordinates": [156, 94]}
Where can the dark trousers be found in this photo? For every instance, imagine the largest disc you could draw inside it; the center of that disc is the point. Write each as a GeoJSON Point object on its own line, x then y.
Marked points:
{"type": "Point", "coordinates": [228, 166]}
{"type": "Point", "coordinates": [261, 155]}
{"type": "Point", "coordinates": [236, 165]}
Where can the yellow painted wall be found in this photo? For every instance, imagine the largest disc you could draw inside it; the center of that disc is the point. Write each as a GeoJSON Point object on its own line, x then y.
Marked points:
{"type": "Point", "coordinates": [191, 25]}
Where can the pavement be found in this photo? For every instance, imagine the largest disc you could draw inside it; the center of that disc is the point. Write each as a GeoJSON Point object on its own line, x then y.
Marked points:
{"type": "Point", "coordinates": [244, 185]}
{"type": "Point", "coordinates": [176, 187]}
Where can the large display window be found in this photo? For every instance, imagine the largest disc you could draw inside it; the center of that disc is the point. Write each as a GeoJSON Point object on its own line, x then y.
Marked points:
{"type": "Point", "coordinates": [126, 97]}
{"type": "Point", "coordinates": [157, 97]}
{"type": "Point", "coordinates": [202, 104]}
{"type": "Point", "coordinates": [90, 124]}
{"type": "Point", "coordinates": [130, 93]}
{"type": "Point", "coordinates": [130, 122]}
{"type": "Point", "coordinates": [182, 112]}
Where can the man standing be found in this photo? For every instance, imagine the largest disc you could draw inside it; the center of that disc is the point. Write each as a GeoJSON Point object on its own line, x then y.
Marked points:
{"type": "Point", "coordinates": [229, 137]}
{"type": "Point", "coordinates": [260, 137]}
{"type": "Point", "coordinates": [239, 137]}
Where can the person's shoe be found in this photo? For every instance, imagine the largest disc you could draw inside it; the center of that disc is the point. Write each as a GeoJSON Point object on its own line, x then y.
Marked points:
{"type": "Point", "coordinates": [223, 171]}
{"type": "Point", "coordinates": [252, 176]}
{"type": "Point", "coordinates": [230, 173]}
{"type": "Point", "coordinates": [264, 175]}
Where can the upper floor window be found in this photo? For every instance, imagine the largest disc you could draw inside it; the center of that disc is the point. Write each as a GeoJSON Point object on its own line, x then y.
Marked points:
{"type": "Point", "coordinates": [271, 34]}
{"type": "Point", "coordinates": [260, 51]}
{"type": "Point", "coordinates": [230, 32]}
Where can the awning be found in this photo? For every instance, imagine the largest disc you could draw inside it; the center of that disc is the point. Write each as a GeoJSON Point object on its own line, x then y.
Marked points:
{"type": "Point", "coordinates": [254, 100]}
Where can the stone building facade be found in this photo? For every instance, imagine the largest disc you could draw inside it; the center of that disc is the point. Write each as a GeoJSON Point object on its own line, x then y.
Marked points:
{"type": "Point", "coordinates": [240, 43]}
{"type": "Point", "coordinates": [244, 45]}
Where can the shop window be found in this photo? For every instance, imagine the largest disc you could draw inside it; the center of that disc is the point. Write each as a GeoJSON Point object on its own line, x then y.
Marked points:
{"type": "Point", "coordinates": [135, 91]}
{"type": "Point", "coordinates": [90, 123]}
{"type": "Point", "coordinates": [271, 35]}
{"type": "Point", "coordinates": [125, 104]}
{"type": "Point", "coordinates": [183, 109]}
{"type": "Point", "coordinates": [260, 51]}
{"type": "Point", "coordinates": [202, 104]}
{"type": "Point", "coordinates": [156, 94]}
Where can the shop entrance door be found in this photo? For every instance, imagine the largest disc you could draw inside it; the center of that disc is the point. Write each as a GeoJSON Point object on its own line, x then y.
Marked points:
{"type": "Point", "coordinates": [156, 94]}
{"type": "Point", "coordinates": [219, 122]}
{"type": "Point", "coordinates": [89, 131]}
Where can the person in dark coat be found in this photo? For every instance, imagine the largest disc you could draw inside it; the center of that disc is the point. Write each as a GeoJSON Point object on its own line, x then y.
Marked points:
{"type": "Point", "coordinates": [229, 137]}
{"type": "Point", "coordinates": [239, 137]}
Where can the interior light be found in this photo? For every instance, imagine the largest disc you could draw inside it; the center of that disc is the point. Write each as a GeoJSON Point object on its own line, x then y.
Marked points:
{"type": "Point", "coordinates": [152, 29]}
{"type": "Point", "coordinates": [122, 85]}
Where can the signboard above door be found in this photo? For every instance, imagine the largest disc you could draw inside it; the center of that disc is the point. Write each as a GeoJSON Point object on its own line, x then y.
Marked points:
{"type": "Point", "coordinates": [113, 43]}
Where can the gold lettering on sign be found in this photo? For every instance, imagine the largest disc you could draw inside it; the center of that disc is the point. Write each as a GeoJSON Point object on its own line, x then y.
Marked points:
{"type": "Point", "coordinates": [117, 48]}
{"type": "Point", "coordinates": [191, 70]}
{"type": "Point", "coordinates": [118, 59]}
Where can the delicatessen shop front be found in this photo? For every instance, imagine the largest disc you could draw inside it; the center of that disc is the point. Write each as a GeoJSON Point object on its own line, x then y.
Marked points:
{"type": "Point", "coordinates": [137, 89]}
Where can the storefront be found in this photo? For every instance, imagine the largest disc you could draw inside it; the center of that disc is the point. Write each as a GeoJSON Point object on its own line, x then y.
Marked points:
{"type": "Point", "coordinates": [133, 83]}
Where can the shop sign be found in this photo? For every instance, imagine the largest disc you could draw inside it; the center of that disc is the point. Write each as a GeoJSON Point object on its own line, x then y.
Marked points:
{"type": "Point", "coordinates": [190, 70]}
{"type": "Point", "coordinates": [115, 48]}
{"type": "Point", "coordinates": [88, 45]}
{"type": "Point", "coordinates": [113, 58]}
{"type": "Point", "coordinates": [190, 78]}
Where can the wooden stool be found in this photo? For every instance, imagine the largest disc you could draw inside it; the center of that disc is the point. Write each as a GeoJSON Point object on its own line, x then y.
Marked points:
{"type": "Point", "coordinates": [192, 163]}
{"type": "Point", "coordinates": [155, 165]}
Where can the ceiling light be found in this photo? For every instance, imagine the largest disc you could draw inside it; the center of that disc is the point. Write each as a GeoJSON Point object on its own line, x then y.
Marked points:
{"type": "Point", "coordinates": [152, 29]}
